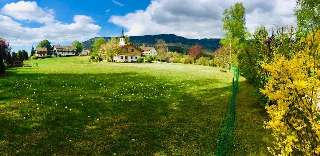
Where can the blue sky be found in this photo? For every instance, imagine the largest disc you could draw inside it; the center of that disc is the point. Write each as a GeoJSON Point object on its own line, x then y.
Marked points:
{"type": "Point", "coordinates": [26, 23]}
{"type": "Point", "coordinates": [65, 10]}
{"type": "Point", "coordinates": [99, 10]}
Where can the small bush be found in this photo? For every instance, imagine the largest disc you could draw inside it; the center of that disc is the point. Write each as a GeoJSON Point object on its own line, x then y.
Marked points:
{"type": "Point", "coordinates": [211, 63]}
{"type": "Point", "coordinates": [99, 59]}
{"type": "Point", "coordinates": [95, 58]}
{"type": "Point", "coordinates": [203, 61]}
{"type": "Point", "coordinates": [220, 63]}
{"type": "Point", "coordinates": [175, 60]}
{"type": "Point", "coordinates": [92, 57]}
{"type": "Point", "coordinates": [186, 60]}
{"type": "Point", "coordinates": [172, 60]}
{"type": "Point", "coordinates": [149, 59]}
{"type": "Point", "coordinates": [178, 60]}
{"type": "Point", "coordinates": [140, 60]}
{"type": "Point", "coordinates": [182, 60]}
{"type": "Point", "coordinates": [34, 57]}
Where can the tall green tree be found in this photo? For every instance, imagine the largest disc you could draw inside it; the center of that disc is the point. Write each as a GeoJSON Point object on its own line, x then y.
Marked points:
{"type": "Point", "coordinates": [111, 48]}
{"type": "Point", "coordinates": [46, 44]}
{"type": "Point", "coordinates": [308, 15]}
{"type": "Point", "coordinates": [78, 45]}
{"type": "Point", "coordinates": [20, 55]}
{"type": "Point", "coordinates": [14, 55]}
{"type": "Point", "coordinates": [25, 55]}
{"type": "Point", "coordinates": [4, 53]}
{"type": "Point", "coordinates": [32, 51]}
{"type": "Point", "coordinates": [234, 28]}
{"type": "Point", "coordinates": [97, 45]}
{"type": "Point", "coordinates": [162, 49]}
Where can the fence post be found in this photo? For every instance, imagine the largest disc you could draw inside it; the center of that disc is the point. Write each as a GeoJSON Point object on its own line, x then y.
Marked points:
{"type": "Point", "coordinates": [225, 140]}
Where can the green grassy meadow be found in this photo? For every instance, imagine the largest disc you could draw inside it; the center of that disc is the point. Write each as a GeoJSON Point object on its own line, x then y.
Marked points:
{"type": "Point", "coordinates": [69, 106]}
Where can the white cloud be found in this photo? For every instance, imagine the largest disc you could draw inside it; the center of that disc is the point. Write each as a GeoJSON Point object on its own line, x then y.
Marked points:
{"type": "Point", "coordinates": [81, 29]}
{"type": "Point", "coordinates": [117, 3]}
{"type": "Point", "coordinates": [202, 18]}
{"type": "Point", "coordinates": [28, 11]}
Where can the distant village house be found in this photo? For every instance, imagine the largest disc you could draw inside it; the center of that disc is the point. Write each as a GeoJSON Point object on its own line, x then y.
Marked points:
{"type": "Point", "coordinates": [41, 52]}
{"type": "Point", "coordinates": [87, 52]}
{"type": "Point", "coordinates": [17, 63]}
{"type": "Point", "coordinates": [149, 51]}
{"type": "Point", "coordinates": [83, 53]}
{"type": "Point", "coordinates": [61, 51]}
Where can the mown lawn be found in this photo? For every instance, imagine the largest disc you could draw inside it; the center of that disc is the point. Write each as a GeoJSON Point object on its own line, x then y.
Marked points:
{"type": "Point", "coordinates": [69, 106]}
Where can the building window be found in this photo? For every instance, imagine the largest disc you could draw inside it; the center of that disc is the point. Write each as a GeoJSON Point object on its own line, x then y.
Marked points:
{"type": "Point", "coordinates": [131, 57]}
{"type": "Point", "coordinates": [126, 57]}
{"type": "Point", "coordinates": [121, 57]}
{"type": "Point", "coordinates": [132, 50]}
{"type": "Point", "coordinates": [136, 57]}
{"type": "Point", "coordinates": [127, 50]}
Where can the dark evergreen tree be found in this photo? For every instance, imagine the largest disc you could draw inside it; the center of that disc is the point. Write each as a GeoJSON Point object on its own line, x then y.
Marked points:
{"type": "Point", "coordinates": [25, 55]}
{"type": "Point", "coordinates": [4, 53]}
{"type": "Point", "coordinates": [32, 51]}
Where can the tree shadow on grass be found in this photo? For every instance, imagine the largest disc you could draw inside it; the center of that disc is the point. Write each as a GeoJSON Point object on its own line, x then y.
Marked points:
{"type": "Point", "coordinates": [105, 114]}
{"type": "Point", "coordinates": [250, 136]}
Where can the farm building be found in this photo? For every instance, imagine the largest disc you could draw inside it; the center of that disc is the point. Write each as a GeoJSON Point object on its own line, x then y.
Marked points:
{"type": "Point", "coordinates": [17, 63]}
{"type": "Point", "coordinates": [83, 53]}
{"type": "Point", "coordinates": [60, 51]}
{"type": "Point", "coordinates": [149, 51]}
{"type": "Point", "coordinates": [41, 52]}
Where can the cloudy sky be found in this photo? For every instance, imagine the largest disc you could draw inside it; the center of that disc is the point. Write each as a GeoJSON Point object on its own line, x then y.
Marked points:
{"type": "Point", "coordinates": [25, 23]}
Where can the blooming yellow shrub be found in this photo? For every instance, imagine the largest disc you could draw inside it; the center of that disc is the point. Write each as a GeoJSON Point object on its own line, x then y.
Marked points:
{"type": "Point", "coordinates": [293, 88]}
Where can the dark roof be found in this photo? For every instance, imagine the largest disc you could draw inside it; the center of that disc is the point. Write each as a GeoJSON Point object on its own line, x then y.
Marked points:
{"type": "Point", "coordinates": [146, 48]}
{"type": "Point", "coordinates": [41, 49]}
{"type": "Point", "coordinates": [17, 60]}
{"type": "Point", "coordinates": [65, 47]}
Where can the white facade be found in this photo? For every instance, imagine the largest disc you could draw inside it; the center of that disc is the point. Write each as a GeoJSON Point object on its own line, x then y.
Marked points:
{"type": "Point", "coordinates": [83, 53]}
{"type": "Point", "coordinates": [65, 53]}
{"type": "Point", "coordinates": [152, 52]}
{"type": "Point", "coordinates": [125, 58]}
{"type": "Point", "coordinates": [61, 51]}
{"type": "Point", "coordinates": [122, 41]}
{"type": "Point", "coordinates": [41, 55]}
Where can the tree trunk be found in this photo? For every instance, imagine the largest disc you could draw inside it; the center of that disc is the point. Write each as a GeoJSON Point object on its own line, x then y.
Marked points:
{"type": "Point", "coordinates": [2, 67]}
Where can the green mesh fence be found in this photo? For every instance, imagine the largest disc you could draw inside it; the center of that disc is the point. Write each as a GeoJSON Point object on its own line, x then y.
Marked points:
{"type": "Point", "coordinates": [225, 141]}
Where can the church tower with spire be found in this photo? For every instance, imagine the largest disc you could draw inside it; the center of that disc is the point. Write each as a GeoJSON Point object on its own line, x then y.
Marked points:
{"type": "Point", "coordinates": [122, 39]}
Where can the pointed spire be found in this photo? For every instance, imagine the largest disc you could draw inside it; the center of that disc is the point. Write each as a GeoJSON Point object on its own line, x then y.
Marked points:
{"type": "Point", "coordinates": [122, 35]}
{"type": "Point", "coordinates": [122, 39]}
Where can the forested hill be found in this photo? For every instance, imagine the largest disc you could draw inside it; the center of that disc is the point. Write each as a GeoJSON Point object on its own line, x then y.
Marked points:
{"type": "Point", "coordinates": [175, 43]}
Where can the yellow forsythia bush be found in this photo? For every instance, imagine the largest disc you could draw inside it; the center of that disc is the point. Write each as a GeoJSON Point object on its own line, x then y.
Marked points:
{"type": "Point", "coordinates": [293, 88]}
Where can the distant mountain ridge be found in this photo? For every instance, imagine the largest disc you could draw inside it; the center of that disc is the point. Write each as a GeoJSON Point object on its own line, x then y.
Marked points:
{"type": "Point", "coordinates": [175, 43]}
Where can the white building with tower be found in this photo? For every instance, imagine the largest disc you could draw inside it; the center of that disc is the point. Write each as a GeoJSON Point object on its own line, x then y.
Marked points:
{"type": "Point", "coordinates": [130, 52]}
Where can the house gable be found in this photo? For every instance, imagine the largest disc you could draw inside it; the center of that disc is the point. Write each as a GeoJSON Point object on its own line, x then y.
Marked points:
{"type": "Point", "coordinates": [131, 50]}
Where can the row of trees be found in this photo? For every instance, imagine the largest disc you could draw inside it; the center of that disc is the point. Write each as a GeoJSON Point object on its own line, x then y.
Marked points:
{"type": "Point", "coordinates": [6, 57]}
{"type": "Point", "coordinates": [21, 54]}
{"type": "Point", "coordinates": [285, 69]}
{"type": "Point", "coordinates": [47, 44]}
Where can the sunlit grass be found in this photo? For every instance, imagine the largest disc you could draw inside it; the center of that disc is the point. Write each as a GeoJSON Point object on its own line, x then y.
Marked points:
{"type": "Point", "coordinates": [68, 106]}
